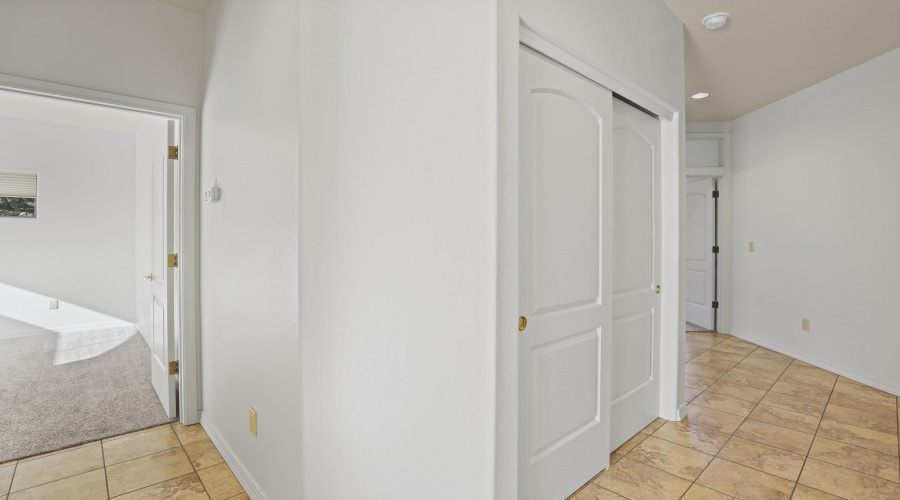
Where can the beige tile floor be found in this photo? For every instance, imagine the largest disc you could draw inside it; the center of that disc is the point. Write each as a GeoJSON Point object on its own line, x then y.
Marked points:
{"type": "Point", "coordinates": [168, 462]}
{"type": "Point", "coordinates": [760, 426]}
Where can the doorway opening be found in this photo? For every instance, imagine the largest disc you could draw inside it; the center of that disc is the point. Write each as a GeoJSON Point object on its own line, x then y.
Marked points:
{"type": "Point", "coordinates": [98, 303]}
{"type": "Point", "coordinates": [707, 233]}
{"type": "Point", "coordinates": [701, 254]}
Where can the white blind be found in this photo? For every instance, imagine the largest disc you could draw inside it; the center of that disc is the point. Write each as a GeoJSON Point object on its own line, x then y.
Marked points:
{"type": "Point", "coordinates": [18, 184]}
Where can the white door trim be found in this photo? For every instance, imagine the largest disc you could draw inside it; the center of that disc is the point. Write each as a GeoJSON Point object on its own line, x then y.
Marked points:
{"type": "Point", "coordinates": [545, 44]}
{"type": "Point", "coordinates": [672, 272]}
{"type": "Point", "coordinates": [723, 222]}
{"type": "Point", "coordinates": [186, 292]}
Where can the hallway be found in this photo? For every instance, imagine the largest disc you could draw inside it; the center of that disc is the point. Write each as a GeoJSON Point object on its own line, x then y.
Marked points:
{"type": "Point", "coordinates": [760, 426]}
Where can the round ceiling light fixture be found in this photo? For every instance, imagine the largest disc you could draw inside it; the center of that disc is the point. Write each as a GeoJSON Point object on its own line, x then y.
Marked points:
{"type": "Point", "coordinates": [700, 95]}
{"type": "Point", "coordinates": [716, 21]}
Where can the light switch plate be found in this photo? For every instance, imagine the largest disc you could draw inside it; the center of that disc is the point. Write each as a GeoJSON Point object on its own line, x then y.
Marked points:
{"type": "Point", "coordinates": [805, 324]}
{"type": "Point", "coordinates": [252, 421]}
{"type": "Point", "coordinates": [752, 246]}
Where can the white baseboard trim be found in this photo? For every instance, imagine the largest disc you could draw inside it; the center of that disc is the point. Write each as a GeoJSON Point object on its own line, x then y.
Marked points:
{"type": "Point", "coordinates": [246, 480]}
{"type": "Point", "coordinates": [883, 386]}
{"type": "Point", "coordinates": [143, 332]}
{"type": "Point", "coordinates": [69, 329]}
{"type": "Point", "coordinates": [682, 412]}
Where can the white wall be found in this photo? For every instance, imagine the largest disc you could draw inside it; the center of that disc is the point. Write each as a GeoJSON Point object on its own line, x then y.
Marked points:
{"type": "Point", "coordinates": [138, 48]}
{"type": "Point", "coordinates": [80, 248]}
{"type": "Point", "coordinates": [397, 261]}
{"type": "Point", "coordinates": [248, 254]}
{"type": "Point", "coordinates": [815, 186]}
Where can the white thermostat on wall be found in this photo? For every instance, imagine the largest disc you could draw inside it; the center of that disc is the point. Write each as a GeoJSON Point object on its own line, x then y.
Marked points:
{"type": "Point", "coordinates": [211, 195]}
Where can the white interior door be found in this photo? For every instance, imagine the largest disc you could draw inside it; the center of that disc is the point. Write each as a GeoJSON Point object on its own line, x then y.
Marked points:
{"type": "Point", "coordinates": [564, 191]}
{"type": "Point", "coordinates": [162, 335]}
{"type": "Point", "coordinates": [636, 258]}
{"type": "Point", "coordinates": [700, 265]}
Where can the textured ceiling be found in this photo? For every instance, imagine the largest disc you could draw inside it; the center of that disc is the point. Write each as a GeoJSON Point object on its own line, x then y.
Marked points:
{"type": "Point", "coordinates": [197, 6]}
{"type": "Point", "coordinates": [771, 49]}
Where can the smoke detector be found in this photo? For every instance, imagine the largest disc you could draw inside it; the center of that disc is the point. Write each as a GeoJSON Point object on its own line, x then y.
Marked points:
{"type": "Point", "coordinates": [716, 21]}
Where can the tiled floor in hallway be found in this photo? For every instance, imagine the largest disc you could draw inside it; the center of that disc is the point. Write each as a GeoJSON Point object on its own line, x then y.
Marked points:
{"type": "Point", "coordinates": [163, 463]}
{"type": "Point", "coordinates": [760, 426]}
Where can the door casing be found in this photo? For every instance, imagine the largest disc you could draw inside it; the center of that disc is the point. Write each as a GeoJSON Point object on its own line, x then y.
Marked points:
{"type": "Point", "coordinates": [722, 133]}
{"type": "Point", "coordinates": [187, 236]}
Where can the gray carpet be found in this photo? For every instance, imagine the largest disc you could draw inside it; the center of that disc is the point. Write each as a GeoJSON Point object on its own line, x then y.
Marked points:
{"type": "Point", "coordinates": [60, 390]}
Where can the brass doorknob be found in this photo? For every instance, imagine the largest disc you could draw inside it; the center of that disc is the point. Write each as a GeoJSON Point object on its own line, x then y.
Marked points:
{"type": "Point", "coordinates": [149, 277]}
{"type": "Point", "coordinates": [657, 288]}
{"type": "Point", "coordinates": [522, 323]}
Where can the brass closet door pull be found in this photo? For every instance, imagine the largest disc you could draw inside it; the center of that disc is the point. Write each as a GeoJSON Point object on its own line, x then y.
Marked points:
{"type": "Point", "coordinates": [522, 323]}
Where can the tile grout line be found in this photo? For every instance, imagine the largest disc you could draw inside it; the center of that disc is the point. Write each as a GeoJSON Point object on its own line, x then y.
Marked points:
{"type": "Point", "coordinates": [16, 469]}
{"type": "Point", "coordinates": [694, 481]}
{"type": "Point", "coordinates": [654, 432]}
{"type": "Point", "coordinates": [180, 445]}
{"type": "Point", "coordinates": [205, 489]}
{"type": "Point", "coordinates": [806, 455]}
{"type": "Point", "coordinates": [729, 438]}
{"type": "Point", "coordinates": [10, 493]}
{"type": "Point", "coordinates": [13, 478]}
{"type": "Point", "coordinates": [105, 476]}
{"type": "Point", "coordinates": [732, 435]}
{"type": "Point", "coordinates": [815, 436]}
{"type": "Point", "coordinates": [821, 419]}
{"type": "Point", "coordinates": [104, 466]}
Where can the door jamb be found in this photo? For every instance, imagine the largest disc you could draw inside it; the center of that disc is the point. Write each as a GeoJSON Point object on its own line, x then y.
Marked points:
{"type": "Point", "coordinates": [187, 291]}
{"type": "Point", "coordinates": [672, 181]}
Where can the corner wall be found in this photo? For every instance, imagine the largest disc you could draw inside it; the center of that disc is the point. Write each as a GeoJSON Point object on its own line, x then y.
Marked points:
{"type": "Point", "coordinates": [397, 248]}
{"type": "Point", "coordinates": [815, 187]}
{"type": "Point", "coordinates": [248, 255]}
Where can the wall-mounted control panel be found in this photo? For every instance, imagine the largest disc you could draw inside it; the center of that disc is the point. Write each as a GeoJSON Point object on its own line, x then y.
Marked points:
{"type": "Point", "coordinates": [211, 195]}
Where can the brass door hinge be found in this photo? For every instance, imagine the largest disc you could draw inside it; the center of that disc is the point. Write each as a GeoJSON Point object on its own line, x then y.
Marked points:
{"type": "Point", "coordinates": [173, 152]}
{"type": "Point", "coordinates": [173, 260]}
{"type": "Point", "coordinates": [173, 367]}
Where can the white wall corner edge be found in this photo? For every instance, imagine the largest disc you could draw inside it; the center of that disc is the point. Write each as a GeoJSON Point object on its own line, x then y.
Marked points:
{"type": "Point", "coordinates": [240, 472]}
{"type": "Point", "coordinates": [880, 385]}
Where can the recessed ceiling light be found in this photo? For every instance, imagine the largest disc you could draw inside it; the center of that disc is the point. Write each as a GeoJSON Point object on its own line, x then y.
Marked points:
{"type": "Point", "coordinates": [700, 95]}
{"type": "Point", "coordinates": [716, 21]}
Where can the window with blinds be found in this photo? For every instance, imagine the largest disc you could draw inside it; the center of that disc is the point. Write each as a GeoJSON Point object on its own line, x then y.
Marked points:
{"type": "Point", "coordinates": [18, 194]}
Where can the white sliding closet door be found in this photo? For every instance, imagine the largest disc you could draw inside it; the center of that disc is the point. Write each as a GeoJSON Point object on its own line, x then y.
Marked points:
{"type": "Point", "coordinates": [636, 257]}
{"type": "Point", "coordinates": [565, 140]}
